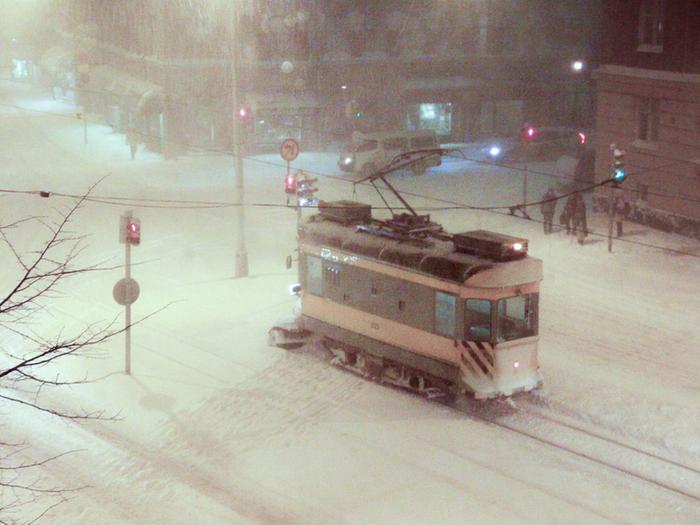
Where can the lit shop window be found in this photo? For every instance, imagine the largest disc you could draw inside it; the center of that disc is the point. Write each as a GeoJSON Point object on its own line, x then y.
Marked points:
{"type": "Point", "coordinates": [433, 116]}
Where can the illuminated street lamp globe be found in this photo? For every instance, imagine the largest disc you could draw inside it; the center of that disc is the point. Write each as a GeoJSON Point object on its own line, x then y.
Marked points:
{"type": "Point", "coordinates": [577, 65]}
{"type": "Point", "coordinates": [287, 67]}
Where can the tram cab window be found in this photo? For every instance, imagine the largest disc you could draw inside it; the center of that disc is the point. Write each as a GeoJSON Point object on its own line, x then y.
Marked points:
{"type": "Point", "coordinates": [516, 317]}
{"type": "Point", "coordinates": [478, 320]}
{"type": "Point", "coordinates": [314, 275]}
{"type": "Point", "coordinates": [445, 305]}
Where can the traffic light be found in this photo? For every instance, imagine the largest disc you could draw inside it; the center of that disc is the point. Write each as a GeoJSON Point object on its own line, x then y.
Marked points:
{"type": "Point", "coordinates": [306, 190]}
{"type": "Point", "coordinates": [618, 171]}
{"type": "Point", "coordinates": [244, 113]}
{"type": "Point", "coordinates": [290, 183]}
{"type": "Point", "coordinates": [528, 133]}
{"type": "Point", "coordinates": [133, 231]}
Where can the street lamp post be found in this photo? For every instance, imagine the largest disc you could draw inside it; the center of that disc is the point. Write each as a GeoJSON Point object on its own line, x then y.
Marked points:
{"type": "Point", "coordinates": [241, 252]}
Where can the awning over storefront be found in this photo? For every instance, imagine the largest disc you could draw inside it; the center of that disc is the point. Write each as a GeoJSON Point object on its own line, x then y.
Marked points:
{"type": "Point", "coordinates": [138, 95]}
{"type": "Point", "coordinates": [442, 84]}
{"type": "Point", "coordinates": [281, 102]}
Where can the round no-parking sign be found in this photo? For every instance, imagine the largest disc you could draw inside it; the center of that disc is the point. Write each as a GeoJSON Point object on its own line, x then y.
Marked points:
{"type": "Point", "coordinates": [289, 149]}
{"type": "Point", "coordinates": [126, 291]}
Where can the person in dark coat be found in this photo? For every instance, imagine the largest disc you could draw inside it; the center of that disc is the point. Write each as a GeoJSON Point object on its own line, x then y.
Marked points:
{"type": "Point", "coordinates": [621, 209]}
{"type": "Point", "coordinates": [132, 138]}
{"type": "Point", "coordinates": [548, 208]}
{"type": "Point", "coordinates": [568, 214]}
{"type": "Point", "coordinates": [578, 219]}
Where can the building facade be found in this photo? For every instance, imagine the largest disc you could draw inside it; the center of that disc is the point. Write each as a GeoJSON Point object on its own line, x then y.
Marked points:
{"type": "Point", "coordinates": [648, 104]}
{"type": "Point", "coordinates": [318, 69]}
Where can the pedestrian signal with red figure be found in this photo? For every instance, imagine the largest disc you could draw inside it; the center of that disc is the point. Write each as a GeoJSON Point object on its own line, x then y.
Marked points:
{"type": "Point", "coordinates": [133, 231]}
{"type": "Point", "coordinates": [290, 183]}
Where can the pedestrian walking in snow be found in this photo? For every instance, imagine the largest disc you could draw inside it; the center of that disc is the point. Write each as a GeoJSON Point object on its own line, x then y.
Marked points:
{"type": "Point", "coordinates": [578, 218]}
{"type": "Point", "coordinates": [548, 207]}
{"type": "Point", "coordinates": [132, 138]}
{"type": "Point", "coordinates": [621, 209]}
{"type": "Point", "coordinates": [567, 215]}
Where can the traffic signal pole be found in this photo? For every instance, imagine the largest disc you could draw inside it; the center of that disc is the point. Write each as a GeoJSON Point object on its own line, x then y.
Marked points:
{"type": "Point", "coordinates": [127, 316]}
{"type": "Point", "coordinates": [610, 217]}
{"type": "Point", "coordinates": [127, 307]}
{"type": "Point", "coordinates": [617, 174]}
{"type": "Point", "coordinates": [241, 252]}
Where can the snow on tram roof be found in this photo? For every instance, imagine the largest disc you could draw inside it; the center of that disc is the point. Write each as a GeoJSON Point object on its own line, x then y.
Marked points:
{"type": "Point", "coordinates": [431, 255]}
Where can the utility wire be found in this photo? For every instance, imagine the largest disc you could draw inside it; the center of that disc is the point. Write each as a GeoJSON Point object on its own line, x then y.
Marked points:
{"type": "Point", "coordinates": [452, 205]}
{"type": "Point", "coordinates": [121, 201]}
{"type": "Point", "coordinates": [676, 162]}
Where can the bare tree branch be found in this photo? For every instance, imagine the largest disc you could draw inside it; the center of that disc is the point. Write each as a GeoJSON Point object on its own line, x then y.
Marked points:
{"type": "Point", "coordinates": [27, 375]}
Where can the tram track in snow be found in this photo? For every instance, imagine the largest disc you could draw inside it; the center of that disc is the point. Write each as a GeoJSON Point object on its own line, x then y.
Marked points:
{"type": "Point", "coordinates": [595, 447]}
{"type": "Point", "coordinates": [667, 474]}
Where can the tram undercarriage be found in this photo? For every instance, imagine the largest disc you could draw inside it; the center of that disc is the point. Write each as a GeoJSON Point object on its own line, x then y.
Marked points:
{"type": "Point", "coordinates": [384, 371]}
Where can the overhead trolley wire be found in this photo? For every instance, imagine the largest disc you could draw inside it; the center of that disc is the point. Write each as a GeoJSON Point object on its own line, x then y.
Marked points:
{"type": "Point", "coordinates": [513, 167]}
{"type": "Point", "coordinates": [190, 204]}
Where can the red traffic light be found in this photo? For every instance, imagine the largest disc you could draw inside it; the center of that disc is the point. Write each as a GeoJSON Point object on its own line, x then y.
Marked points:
{"type": "Point", "coordinates": [581, 137]}
{"type": "Point", "coordinates": [133, 232]}
{"type": "Point", "coordinates": [290, 184]}
{"type": "Point", "coordinates": [243, 113]}
{"type": "Point", "coordinates": [529, 133]}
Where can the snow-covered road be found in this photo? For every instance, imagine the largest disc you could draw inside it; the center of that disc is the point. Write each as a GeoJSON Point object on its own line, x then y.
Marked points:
{"type": "Point", "coordinates": [219, 428]}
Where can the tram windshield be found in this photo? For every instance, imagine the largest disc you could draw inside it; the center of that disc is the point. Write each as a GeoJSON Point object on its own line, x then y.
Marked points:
{"type": "Point", "coordinates": [478, 319]}
{"type": "Point", "coordinates": [516, 317]}
{"type": "Point", "coordinates": [502, 320]}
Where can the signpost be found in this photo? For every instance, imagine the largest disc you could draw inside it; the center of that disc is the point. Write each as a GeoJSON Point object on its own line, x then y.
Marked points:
{"type": "Point", "coordinates": [126, 290]}
{"type": "Point", "coordinates": [289, 150]}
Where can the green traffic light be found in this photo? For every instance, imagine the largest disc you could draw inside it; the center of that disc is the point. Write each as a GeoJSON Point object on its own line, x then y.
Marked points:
{"type": "Point", "coordinates": [619, 175]}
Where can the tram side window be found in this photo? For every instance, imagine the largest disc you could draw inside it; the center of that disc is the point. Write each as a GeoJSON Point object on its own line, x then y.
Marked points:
{"type": "Point", "coordinates": [516, 317]}
{"type": "Point", "coordinates": [314, 275]}
{"type": "Point", "coordinates": [332, 274]}
{"type": "Point", "coordinates": [445, 313]}
{"type": "Point", "coordinates": [478, 320]}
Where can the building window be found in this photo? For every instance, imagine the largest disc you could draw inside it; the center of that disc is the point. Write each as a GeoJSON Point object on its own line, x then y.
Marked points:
{"type": "Point", "coordinates": [651, 25]}
{"type": "Point", "coordinates": [402, 305]}
{"type": "Point", "coordinates": [445, 313]}
{"type": "Point", "coordinates": [648, 119]}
